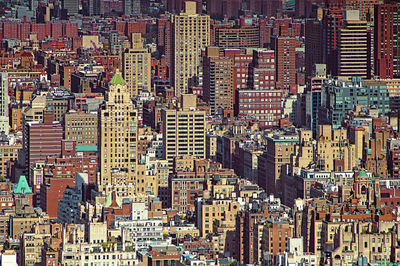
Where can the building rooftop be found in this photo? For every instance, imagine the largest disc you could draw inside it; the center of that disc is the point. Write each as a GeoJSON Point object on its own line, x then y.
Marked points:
{"type": "Point", "coordinates": [82, 148]}
{"type": "Point", "coordinates": [22, 186]}
{"type": "Point", "coordinates": [117, 79]}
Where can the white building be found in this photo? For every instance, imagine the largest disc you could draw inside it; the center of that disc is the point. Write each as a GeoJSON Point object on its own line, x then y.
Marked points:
{"type": "Point", "coordinates": [8, 258]}
{"type": "Point", "coordinates": [140, 230]}
{"type": "Point", "coordinates": [98, 254]}
{"type": "Point", "coordinates": [296, 255]}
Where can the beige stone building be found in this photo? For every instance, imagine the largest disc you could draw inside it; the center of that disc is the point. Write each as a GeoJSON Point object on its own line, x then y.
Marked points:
{"type": "Point", "coordinates": [34, 112]}
{"type": "Point", "coordinates": [184, 130]}
{"type": "Point", "coordinates": [90, 42]}
{"type": "Point", "coordinates": [272, 164]}
{"type": "Point", "coordinates": [31, 247]}
{"type": "Point", "coordinates": [81, 127]}
{"type": "Point", "coordinates": [190, 34]}
{"type": "Point", "coordinates": [22, 225]}
{"type": "Point", "coordinates": [359, 239]}
{"type": "Point", "coordinates": [117, 137]}
{"type": "Point", "coordinates": [159, 170]}
{"type": "Point", "coordinates": [334, 150]}
{"type": "Point", "coordinates": [393, 87]}
{"type": "Point", "coordinates": [218, 215]}
{"type": "Point", "coordinates": [147, 182]}
{"type": "Point", "coordinates": [137, 67]}
{"type": "Point", "coordinates": [305, 150]}
{"type": "Point", "coordinates": [331, 151]}
{"type": "Point", "coordinates": [8, 153]}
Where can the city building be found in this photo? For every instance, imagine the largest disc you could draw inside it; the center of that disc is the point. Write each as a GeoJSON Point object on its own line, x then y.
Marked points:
{"type": "Point", "coordinates": [42, 139]}
{"type": "Point", "coordinates": [285, 56]}
{"type": "Point", "coordinates": [199, 132]}
{"type": "Point", "coordinates": [184, 130]}
{"type": "Point", "coordinates": [8, 154]}
{"type": "Point", "coordinates": [4, 101]}
{"type": "Point", "coordinates": [190, 34]}
{"type": "Point", "coordinates": [275, 239]}
{"type": "Point", "coordinates": [71, 7]}
{"type": "Point", "coordinates": [81, 127]}
{"type": "Point", "coordinates": [140, 229]}
{"type": "Point", "coordinates": [273, 163]}
{"type": "Point", "coordinates": [229, 8]}
{"type": "Point", "coordinates": [216, 211]}
{"type": "Point", "coordinates": [260, 99]}
{"type": "Point", "coordinates": [341, 96]}
{"type": "Point", "coordinates": [218, 82]}
{"type": "Point", "coordinates": [313, 44]}
{"type": "Point", "coordinates": [117, 142]}
{"type": "Point", "coordinates": [136, 67]}
{"type": "Point", "coordinates": [386, 51]}
{"type": "Point", "coordinates": [295, 254]}
{"type": "Point", "coordinates": [237, 37]}
{"type": "Point", "coordinates": [165, 255]}
{"type": "Point", "coordinates": [354, 47]}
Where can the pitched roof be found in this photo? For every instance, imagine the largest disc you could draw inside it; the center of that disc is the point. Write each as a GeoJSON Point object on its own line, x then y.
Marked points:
{"type": "Point", "coordinates": [117, 79]}
{"type": "Point", "coordinates": [362, 173]}
{"type": "Point", "coordinates": [113, 200]}
{"type": "Point", "coordinates": [22, 186]}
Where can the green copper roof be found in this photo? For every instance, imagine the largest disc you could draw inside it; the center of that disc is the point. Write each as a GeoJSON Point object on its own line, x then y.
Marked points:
{"type": "Point", "coordinates": [22, 186]}
{"type": "Point", "coordinates": [109, 200]}
{"type": "Point", "coordinates": [117, 79]}
{"type": "Point", "coordinates": [79, 148]}
{"type": "Point", "coordinates": [362, 173]}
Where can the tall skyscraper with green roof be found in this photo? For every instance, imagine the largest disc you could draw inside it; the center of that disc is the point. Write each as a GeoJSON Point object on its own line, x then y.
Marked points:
{"type": "Point", "coordinates": [117, 138]}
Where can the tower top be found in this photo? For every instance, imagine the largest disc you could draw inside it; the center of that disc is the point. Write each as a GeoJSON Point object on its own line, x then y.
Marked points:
{"type": "Point", "coordinates": [190, 8]}
{"type": "Point", "coordinates": [117, 79]}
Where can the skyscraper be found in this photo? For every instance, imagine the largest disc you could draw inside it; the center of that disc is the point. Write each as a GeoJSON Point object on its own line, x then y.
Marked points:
{"type": "Point", "coordinates": [332, 24]}
{"type": "Point", "coordinates": [127, 7]}
{"type": "Point", "coordinates": [95, 7]}
{"type": "Point", "coordinates": [314, 44]}
{"type": "Point", "coordinates": [190, 34]}
{"type": "Point", "coordinates": [42, 139]}
{"type": "Point", "coordinates": [164, 39]}
{"type": "Point", "coordinates": [260, 99]}
{"type": "Point", "coordinates": [285, 54]}
{"type": "Point", "coordinates": [4, 100]}
{"type": "Point", "coordinates": [184, 130]}
{"type": "Point", "coordinates": [136, 7]}
{"type": "Point", "coordinates": [117, 137]}
{"type": "Point", "coordinates": [353, 52]}
{"type": "Point", "coordinates": [131, 7]}
{"type": "Point", "coordinates": [71, 6]}
{"type": "Point", "coordinates": [387, 39]}
{"type": "Point", "coordinates": [218, 81]}
{"type": "Point", "coordinates": [137, 67]}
